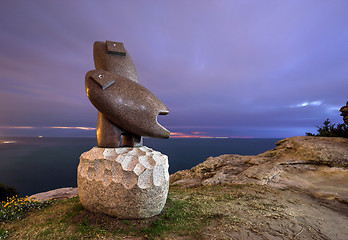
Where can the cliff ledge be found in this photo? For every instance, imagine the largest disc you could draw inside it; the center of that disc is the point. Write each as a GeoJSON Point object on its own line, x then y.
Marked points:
{"type": "Point", "coordinates": [315, 164]}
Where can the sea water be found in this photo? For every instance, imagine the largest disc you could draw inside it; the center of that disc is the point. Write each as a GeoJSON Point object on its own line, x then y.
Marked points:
{"type": "Point", "coordinates": [33, 165]}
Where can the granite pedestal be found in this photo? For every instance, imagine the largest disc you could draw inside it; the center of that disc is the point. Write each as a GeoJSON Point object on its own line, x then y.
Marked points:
{"type": "Point", "coordinates": [126, 182]}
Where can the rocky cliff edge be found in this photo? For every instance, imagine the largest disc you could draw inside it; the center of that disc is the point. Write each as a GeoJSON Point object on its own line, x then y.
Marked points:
{"type": "Point", "coordinates": [315, 164]}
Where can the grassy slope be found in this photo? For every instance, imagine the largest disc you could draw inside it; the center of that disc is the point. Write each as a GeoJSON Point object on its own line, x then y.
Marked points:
{"type": "Point", "coordinates": [212, 212]}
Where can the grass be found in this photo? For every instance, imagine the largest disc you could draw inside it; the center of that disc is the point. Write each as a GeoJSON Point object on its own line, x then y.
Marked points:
{"type": "Point", "coordinates": [180, 216]}
{"type": "Point", "coordinates": [188, 212]}
{"type": "Point", "coordinates": [3, 233]}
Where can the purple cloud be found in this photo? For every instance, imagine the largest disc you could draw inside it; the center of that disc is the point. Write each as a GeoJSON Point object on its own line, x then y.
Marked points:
{"type": "Point", "coordinates": [222, 67]}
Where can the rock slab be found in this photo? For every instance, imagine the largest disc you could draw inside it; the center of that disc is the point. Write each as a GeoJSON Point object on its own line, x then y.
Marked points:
{"type": "Point", "coordinates": [60, 193]}
{"type": "Point", "coordinates": [127, 182]}
{"type": "Point", "coordinates": [316, 164]}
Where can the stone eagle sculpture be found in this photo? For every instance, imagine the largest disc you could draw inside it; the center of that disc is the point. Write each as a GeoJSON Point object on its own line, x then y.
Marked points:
{"type": "Point", "coordinates": [125, 108]}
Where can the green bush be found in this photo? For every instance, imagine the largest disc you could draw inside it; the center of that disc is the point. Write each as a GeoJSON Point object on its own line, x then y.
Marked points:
{"type": "Point", "coordinates": [6, 192]}
{"type": "Point", "coordinates": [16, 208]}
{"type": "Point", "coordinates": [330, 130]}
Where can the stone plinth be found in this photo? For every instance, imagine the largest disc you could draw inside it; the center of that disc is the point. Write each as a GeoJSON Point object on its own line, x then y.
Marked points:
{"type": "Point", "coordinates": [123, 182]}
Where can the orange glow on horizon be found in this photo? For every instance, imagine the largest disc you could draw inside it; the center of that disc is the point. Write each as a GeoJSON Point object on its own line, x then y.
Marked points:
{"type": "Point", "coordinates": [197, 135]}
{"type": "Point", "coordinates": [196, 132]}
{"type": "Point", "coordinates": [7, 142]}
{"type": "Point", "coordinates": [18, 127]}
{"type": "Point", "coordinates": [55, 127]}
{"type": "Point", "coordinates": [80, 128]}
{"type": "Point", "coordinates": [184, 135]}
{"type": "Point", "coordinates": [172, 134]}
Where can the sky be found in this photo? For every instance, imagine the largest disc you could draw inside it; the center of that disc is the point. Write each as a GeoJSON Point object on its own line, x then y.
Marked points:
{"type": "Point", "coordinates": [269, 69]}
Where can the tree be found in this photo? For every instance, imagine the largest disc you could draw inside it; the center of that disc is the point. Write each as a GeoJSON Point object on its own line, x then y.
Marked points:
{"type": "Point", "coordinates": [329, 130]}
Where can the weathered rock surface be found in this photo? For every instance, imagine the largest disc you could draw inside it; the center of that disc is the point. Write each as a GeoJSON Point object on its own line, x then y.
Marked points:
{"type": "Point", "coordinates": [59, 193]}
{"type": "Point", "coordinates": [344, 113]}
{"type": "Point", "coordinates": [316, 164]}
{"type": "Point", "coordinates": [124, 182]}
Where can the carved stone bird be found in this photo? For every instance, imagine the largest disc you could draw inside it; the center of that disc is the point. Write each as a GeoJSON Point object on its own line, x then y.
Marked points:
{"type": "Point", "coordinates": [125, 107]}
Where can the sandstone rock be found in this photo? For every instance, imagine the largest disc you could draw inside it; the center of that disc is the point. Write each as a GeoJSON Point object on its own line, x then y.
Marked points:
{"type": "Point", "coordinates": [123, 182]}
{"type": "Point", "coordinates": [330, 151]}
{"type": "Point", "coordinates": [59, 193]}
{"type": "Point", "coordinates": [344, 113]}
{"type": "Point", "coordinates": [188, 182]}
{"type": "Point", "coordinates": [316, 164]}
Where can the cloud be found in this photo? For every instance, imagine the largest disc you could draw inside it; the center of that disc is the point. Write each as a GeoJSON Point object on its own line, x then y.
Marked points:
{"type": "Point", "coordinates": [254, 67]}
{"type": "Point", "coordinates": [31, 127]}
{"type": "Point", "coordinates": [333, 108]}
{"type": "Point", "coordinates": [17, 127]}
{"type": "Point", "coordinates": [189, 135]}
{"type": "Point", "coordinates": [306, 104]}
{"type": "Point", "coordinates": [74, 128]}
{"type": "Point", "coordinates": [197, 132]}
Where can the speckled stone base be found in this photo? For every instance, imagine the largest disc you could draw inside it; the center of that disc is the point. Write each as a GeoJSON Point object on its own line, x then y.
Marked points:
{"type": "Point", "coordinates": [126, 182]}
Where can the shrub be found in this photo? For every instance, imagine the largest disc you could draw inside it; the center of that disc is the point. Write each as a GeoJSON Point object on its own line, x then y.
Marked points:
{"type": "Point", "coordinates": [6, 192]}
{"type": "Point", "coordinates": [15, 208]}
{"type": "Point", "coordinates": [329, 130]}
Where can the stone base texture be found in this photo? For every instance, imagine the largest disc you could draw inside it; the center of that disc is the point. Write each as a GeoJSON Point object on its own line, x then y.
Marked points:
{"type": "Point", "coordinates": [127, 182]}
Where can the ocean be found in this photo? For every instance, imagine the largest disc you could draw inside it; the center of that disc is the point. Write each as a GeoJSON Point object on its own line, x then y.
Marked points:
{"type": "Point", "coordinates": [33, 165]}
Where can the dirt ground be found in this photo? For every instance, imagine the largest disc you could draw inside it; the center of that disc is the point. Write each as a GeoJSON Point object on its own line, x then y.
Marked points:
{"type": "Point", "coordinates": [211, 212]}
{"type": "Point", "coordinates": [261, 212]}
{"type": "Point", "coordinates": [250, 211]}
